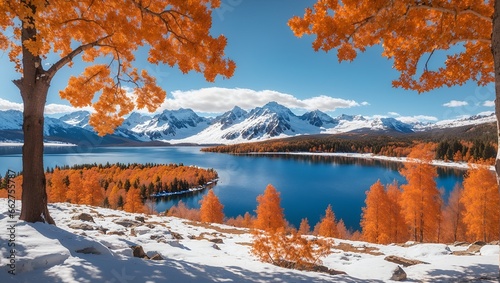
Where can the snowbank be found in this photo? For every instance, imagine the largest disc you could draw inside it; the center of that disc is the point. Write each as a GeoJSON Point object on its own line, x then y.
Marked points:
{"type": "Point", "coordinates": [100, 251]}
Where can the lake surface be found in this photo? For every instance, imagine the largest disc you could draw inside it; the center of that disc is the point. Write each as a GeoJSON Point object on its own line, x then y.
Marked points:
{"type": "Point", "coordinates": [307, 183]}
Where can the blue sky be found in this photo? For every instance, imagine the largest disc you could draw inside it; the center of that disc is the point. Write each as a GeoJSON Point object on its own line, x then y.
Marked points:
{"type": "Point", "coordinates": [272, 64]}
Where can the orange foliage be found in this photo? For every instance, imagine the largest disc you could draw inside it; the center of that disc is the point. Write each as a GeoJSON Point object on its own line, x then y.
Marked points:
{"type": "Point", "coordinates": [421, 200]}
{"type": "Point", "coordinates": [326, 227]}
{"type": "Point", "coordinates": [93, 193]}
{"type": "Point", "coordinates": [245, 221]}
{"type": "Point", "coordinates": [176, 33]}
{"type": "Point", "coordinates": [211, 210]}
{"type": "Point", "coordinates": [398, 230]}
{"type": "Point", "coordinates": [57, 189]}
{"type": "Point", "coordinates": [482, 204]}
{"type": "Point", "coordinates": [133, 201]}
{"type": "Point", "coordinates": [407, 31]}
{"type": "Point", "coordinates": [304, 227]}
{"type": "Point", "coordinates": [74, 193]}
{"type": "Point", "coordinates": [454, 228]}
{"type": "Point", "coordinates": [375, 222]}
{"type": "Point", "coordinates": [182, 211]}
{"type": "Point", "coordinates": [269, 212]}
{"type": "Point", "coordinates": [289, 250]}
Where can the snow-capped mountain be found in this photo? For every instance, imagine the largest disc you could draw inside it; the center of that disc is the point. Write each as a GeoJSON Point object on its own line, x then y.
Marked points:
{"type": "Point", "coordinates": [237, 125]}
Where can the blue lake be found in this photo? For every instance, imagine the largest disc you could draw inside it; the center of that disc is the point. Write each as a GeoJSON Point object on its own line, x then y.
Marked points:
{"type": "Point", "coordinates": [307, 184]}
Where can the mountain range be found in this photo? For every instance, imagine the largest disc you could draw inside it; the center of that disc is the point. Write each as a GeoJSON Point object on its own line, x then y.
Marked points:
{"type": "Point", "coordinates": [185, 126]}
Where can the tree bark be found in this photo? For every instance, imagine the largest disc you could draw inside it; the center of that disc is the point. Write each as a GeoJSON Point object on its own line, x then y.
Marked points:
{"type": "Point", "coordinates": [495, 49]}
{"type": "Point", "coordinates": [34, 195]}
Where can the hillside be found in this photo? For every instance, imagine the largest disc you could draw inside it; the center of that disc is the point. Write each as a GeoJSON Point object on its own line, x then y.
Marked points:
{"type": "Point", "coordinates": [99, 250]}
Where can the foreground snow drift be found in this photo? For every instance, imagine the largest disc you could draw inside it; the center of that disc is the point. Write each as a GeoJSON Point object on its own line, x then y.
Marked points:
{"type": "Point", "coordinates": [100, 251]}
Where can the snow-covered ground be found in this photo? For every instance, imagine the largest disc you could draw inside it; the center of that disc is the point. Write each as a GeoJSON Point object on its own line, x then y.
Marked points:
{"type": "Point", "coordinates": [81, 251]}
{"type": "Point", "coordinates": [440, 163]}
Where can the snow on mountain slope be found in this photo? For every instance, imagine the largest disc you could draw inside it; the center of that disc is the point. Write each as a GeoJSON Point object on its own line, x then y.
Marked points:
{"type": "Point", "coordinates": [269, 121]}
{"type": "Point", "coordinates": [77, 119]}
{"type": "Point", "coordinates": [11, 120]}
{"type": "Point", "coordinates": [100, 251]}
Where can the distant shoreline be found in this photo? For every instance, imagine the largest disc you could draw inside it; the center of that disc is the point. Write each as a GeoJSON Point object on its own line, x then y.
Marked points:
{"type": "Point", "coordinates": [371, 156]}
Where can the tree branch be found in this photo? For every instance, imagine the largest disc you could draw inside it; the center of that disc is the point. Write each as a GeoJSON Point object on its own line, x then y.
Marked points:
{"type": "Point", "coordinates": [68, 58]}
{"type": "Point", "coordinates": [451, 11]}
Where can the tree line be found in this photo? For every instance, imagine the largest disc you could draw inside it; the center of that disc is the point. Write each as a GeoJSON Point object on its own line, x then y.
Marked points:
{"type": "Point", "coordinates": [451, 149]}
{"type": "Point", "coordinates": [118, 186]}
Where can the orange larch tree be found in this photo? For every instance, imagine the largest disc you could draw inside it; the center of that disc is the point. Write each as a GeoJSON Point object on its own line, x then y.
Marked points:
{"type": "Point", "coordinates": [327, 227]}
{"type": "Point", "coordinates": [211, 210]}
{"type": "Point", "coordinates": [269, 211]}
{"type": "Point", "coordinates": [93, 193]}
{"type": "Point", "coordinates": [74, 193]}
{"type": "Point", "coordinates": [304, 228]}
{"type": "Point", "coordinates": [174, 32]}
{"type": "Point", "coordinates": [481, 200]}
{"type": "Point", "coordinates": [133, 201]}
{"type": "Point", "coordinates": [454, 228]}
{"type": "Point", "coordinates": [58, 187]}
{"type": "Point", "coordinates": [375, 219]}
{"type": "Point", "coordinates": [410, 32]}
{"type": "Point", "coordinates": [398, 229]}
{"type": "Point", "coordinates": [420, 199]}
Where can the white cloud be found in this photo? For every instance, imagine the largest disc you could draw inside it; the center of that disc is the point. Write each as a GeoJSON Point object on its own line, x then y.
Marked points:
{"type": "Point", "coordinates": [214, 99]}
{"type": "Point", "coordinates": [8, 105]}
{"type": "Point", "coordinates": [489, 103]}
{"type": "Point", "coordinates": [394, 114]}
{"type": "Point", "coordinates": [365, 103]}
{"type": "Point", "coordinates": [456, 103]}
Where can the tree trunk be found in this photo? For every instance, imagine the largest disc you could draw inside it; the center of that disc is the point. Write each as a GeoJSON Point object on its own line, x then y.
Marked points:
{"type": "Point", "coordinates": [34, 195]}
{"type": "Point", "coordinates": [495, 49]}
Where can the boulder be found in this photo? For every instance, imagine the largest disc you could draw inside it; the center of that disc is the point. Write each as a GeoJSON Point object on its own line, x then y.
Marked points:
{"type": "Point", "coordinates": [126, 222]}
{"type": "Point", "coordinates": [138, 251]}
{"type": "Point", "coordinates": [83, 217]}
{"type": "Point", "coordinates": [398, 274]}
{"type": "Point", "coordinates": [157, 257]}
{"type": "Point", "coordinates": [140, 218]}
{"type": "Point", "coordinates": [81, 226]}
{"type": "Point", "coordinates": [217, 241]}
{"type": "Point", "coordinates": [215, 247]}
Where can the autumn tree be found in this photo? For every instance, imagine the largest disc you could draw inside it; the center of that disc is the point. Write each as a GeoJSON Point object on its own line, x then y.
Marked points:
{"type": "Point", "coordinates": [410, 33]}
{"type": "Point", "coordinates": [327, 227]}
{"type": "Point", "coordinates": [211, 210]}
{"type": "Point", "coordinates": [481, 200]}
{"type": "Point", "coordinates": [133, 201]}
{"type": "Point", "coordinates": [108, 32]}
{"type": "Point", "coordinates": [269, 211]}
{"type": "Point", "coordinates": [74, 193]}
{"type": "Point", "coordinates": [58, 186]}
{"type": "Point", "coordinates": [375, 219]}
{"type": "Point", "coordinates": [398, 230]}
{"type": "Point", "coordinates": [420, 199]}
{"type": "Point", "coordinates": [92, 191]}
{"type": "Point", "coordinates": [289, 249]}
{"type": "Point", "coordinates": [454, 228]}
{"type": "Point", "coordinates": [304, 227]}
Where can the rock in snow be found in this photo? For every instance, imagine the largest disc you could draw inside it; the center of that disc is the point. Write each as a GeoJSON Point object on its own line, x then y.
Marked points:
{"type": "Point", "coordinates": [48, 253]}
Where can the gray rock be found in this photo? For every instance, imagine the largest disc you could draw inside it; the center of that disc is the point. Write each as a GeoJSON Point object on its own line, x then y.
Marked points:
{"type": "Point", "coordinates": [398, 274]}
{"type": "Point", "coordinates": [157, 257]}
{"type": "Point", "coordinates": [140, 218]}
{"type": "Point", "coordinates": [83, 217]}
{"type": "Point", "coordinates": [138, 251]}
{"type": "Point", "coordinates": [81, 226]}
{"type": "Point", "coordinates": [217, 241]}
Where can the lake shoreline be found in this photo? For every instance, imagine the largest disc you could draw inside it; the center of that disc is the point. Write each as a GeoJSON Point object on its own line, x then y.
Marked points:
{"type": "Point", "coordinates": [369, 156]}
